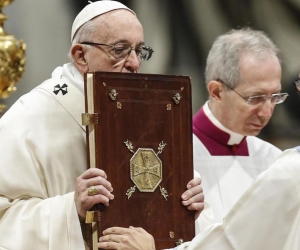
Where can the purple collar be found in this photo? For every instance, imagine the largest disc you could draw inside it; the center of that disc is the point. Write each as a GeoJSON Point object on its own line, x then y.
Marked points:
{"type": "Point", "coordinates": [215, 139]}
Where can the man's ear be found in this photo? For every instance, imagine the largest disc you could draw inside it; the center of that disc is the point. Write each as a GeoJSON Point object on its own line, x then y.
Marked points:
{"type": "Point", "coordinates": [215, 90]}
{"type": "Point", "coordinates": [78, 55]}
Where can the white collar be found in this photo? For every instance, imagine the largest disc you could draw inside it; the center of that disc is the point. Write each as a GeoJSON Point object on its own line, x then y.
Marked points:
{"type": "Point", "coordinates": [234, 138]}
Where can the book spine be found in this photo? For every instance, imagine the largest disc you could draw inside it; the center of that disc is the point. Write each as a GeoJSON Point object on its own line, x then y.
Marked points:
{"type": "Point", "coordinates": [91, 143]}
{"type": "Point", "coordinates": [91, 128]}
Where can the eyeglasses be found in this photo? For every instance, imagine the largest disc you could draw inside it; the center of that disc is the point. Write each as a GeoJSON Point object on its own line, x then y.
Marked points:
{"type": "Point", "coordinates": [122, 50]}
{"type": "Point", "coordinates": [259, 99]}
{"type": "Point", "coordinates": [297, 84]}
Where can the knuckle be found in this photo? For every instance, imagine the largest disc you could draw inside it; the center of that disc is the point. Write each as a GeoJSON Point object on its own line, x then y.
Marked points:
{"type": "Point", "coordinates": [102, 199]}
{"type": "Point", "coordinates": [101, 189]}
{"type": "Point", "coordinates": [100, 179]}
{"type": "Point", "coordinates": [124, 239]}
{"type": "Point", "coordinates": [92, 171]}
{"type": "Point", "coordinates": [189, 192]}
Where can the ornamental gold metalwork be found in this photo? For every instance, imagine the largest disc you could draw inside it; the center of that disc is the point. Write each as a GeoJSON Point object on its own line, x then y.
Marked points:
{"type": "Point", "coordinates": [164, 192]}
{"type": "Point", "coordinates": [119, 105]}
{"type": "Point", "coordinates": [130, 191]}
{"type": "Point", "coordinates": [113, 94]}
{"type": "Point", "coordinates": [12, 58]}
{"type": "Point", "coordinates": [146, 169]}
{"type": "Point", "coordinates": [177, 98]}
{"type": "Point", "coordinates": [129, 146]}
{"type": "Point", "coordinates": [172, 234]}
{"type": "Point", "coordinates": [179, 242]}
{"type": "Point", "coordinates": [161, 147]}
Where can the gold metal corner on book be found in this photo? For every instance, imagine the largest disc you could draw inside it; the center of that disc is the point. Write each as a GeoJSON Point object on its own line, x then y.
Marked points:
{"type": "Point", "coordinates": [89, 119]}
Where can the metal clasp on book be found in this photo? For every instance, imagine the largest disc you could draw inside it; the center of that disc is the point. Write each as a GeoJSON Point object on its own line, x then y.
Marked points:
{"type": "Point", "coordinates": [92, 216]}
{"type": "Point", "coordinates": [89, 119]}
{"type": "Point", "coordinates": [176, 98]}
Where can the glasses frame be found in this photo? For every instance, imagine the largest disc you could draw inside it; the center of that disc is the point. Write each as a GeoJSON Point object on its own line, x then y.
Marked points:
{"type": "Point", "coordinates": [147, 48]}
{"type": "Point", "coordinates": [248, 99]}
{"type": "Point", "coordinates": [297, 84]}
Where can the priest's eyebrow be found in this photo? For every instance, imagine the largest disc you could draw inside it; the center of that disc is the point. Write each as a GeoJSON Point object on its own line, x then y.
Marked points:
{"type": "Point", "coordinates": [127, 42]}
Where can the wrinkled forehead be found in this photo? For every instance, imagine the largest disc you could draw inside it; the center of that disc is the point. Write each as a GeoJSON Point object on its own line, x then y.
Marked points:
{"type": "Point", "coordinates": [118, 24]}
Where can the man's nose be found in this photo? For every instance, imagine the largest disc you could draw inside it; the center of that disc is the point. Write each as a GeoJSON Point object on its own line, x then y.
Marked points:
{"type": "Point", "coordinates": [133, 62]}
{"type": "Point", "coordinates": [266, 109]}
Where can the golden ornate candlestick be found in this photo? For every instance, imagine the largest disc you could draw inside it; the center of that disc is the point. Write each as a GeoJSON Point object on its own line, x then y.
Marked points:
{"type": "Point", "coordinates": [12, 59]}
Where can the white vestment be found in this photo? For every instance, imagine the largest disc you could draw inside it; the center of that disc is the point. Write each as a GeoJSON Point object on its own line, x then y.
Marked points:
{"type": "Point", "coordinates": [266, 217]}
{"type": "Point", "coordinates": [42, 152]}
{"type": "Point", "coordinates": [42, 148]}
{"type": "Point", "coordinates": [226, 177]}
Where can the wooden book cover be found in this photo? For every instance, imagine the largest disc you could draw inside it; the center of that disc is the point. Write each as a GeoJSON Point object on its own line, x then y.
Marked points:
{"type": "Point", "coordinates": [139, 131]}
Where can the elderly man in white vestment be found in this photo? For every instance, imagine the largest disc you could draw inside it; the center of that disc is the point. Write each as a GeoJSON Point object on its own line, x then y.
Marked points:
{"type": "Point", "coordinates": [266, 217]}
{"type": "Point", "coordinates": [44, 180]}
{"type": "Point", "coordinates": [243, 79]}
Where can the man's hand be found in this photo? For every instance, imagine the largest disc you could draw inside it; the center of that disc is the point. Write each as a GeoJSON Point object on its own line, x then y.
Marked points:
{"type": "Point", "coordinates": [83, 201]}
{"type": "Point", "coordinates": [193, 198]}
{"type": "Point", "coordinates": [132, 238]}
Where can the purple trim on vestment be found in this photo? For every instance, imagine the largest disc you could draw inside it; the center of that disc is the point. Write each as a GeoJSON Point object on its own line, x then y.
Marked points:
{"type": "Point", "coordinates": [215, 139]}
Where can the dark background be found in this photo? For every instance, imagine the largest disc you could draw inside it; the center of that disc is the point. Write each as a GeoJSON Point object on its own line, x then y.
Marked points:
{"type": "Point", "coordinates": [181, 32]}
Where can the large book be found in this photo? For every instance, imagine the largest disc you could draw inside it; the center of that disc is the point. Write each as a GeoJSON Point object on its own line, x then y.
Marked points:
{"type": "Point", "coordinates": [139, 131]}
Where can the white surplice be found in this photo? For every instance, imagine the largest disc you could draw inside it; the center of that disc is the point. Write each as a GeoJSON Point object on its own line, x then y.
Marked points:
{"type": "Point", "coordinates": [266, 217]}
{"type": "Point", "coordinates": [226, 177]}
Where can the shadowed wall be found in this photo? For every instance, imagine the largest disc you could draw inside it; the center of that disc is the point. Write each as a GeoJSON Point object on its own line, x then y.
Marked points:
{"type": "Point", "coordinates": [180, 31]}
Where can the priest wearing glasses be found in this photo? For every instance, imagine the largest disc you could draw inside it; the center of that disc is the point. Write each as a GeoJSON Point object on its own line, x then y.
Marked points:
{"type": "Point", "coordinates": [45, 187]}
{"type": "Point", "coordinates": [243, 80]}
